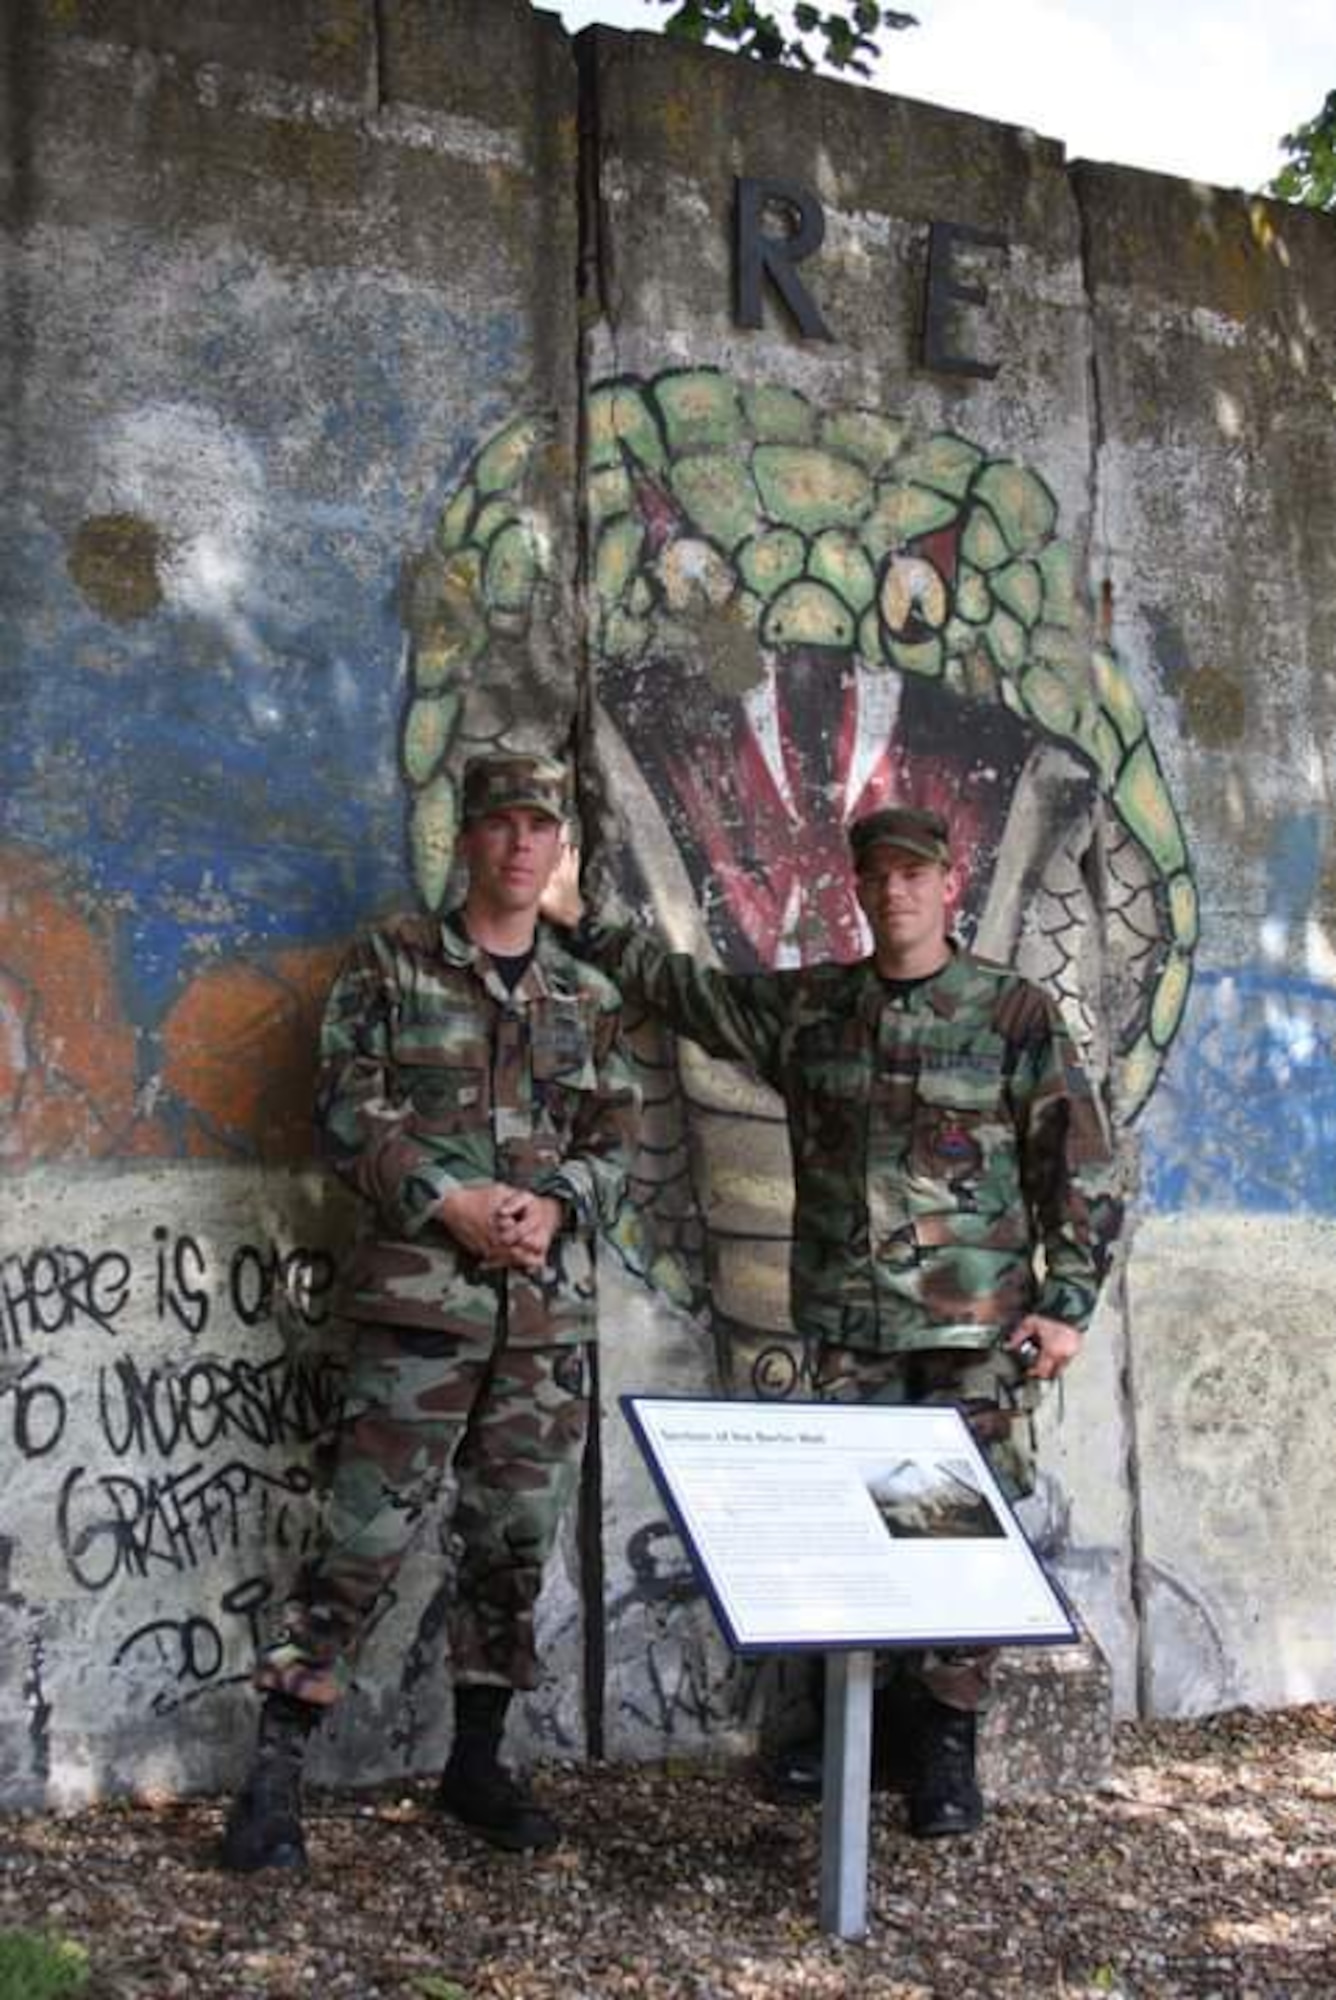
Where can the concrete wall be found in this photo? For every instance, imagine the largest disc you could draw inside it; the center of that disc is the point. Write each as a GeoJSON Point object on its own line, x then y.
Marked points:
{"type": "Point", "coordinates": [273, 274]}
{"type": "Point", "coordinates": [1216, 371]}
{"type": "Point", "coordinates": [375, 392]}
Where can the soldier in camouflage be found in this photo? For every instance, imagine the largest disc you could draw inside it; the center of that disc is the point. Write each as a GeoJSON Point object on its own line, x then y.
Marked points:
{"type": "Point", "coordinates": [473, 1090]}
{"type": "Point", "coordinates": [954, 1197]}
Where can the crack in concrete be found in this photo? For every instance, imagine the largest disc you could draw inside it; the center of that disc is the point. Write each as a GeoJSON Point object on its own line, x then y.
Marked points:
{"type": "Point", "coordinates": [1137, 1574]}
{"type": "Point", "coordinates": [590, 308]}
{"type": "Point", "coordinates": [375, 91]}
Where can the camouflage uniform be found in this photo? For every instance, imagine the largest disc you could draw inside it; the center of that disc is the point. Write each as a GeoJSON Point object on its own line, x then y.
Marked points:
{"type": "Point", "coordinates": [942, 1135]}
{"type": "Point", "coordinates": [433, 1077]}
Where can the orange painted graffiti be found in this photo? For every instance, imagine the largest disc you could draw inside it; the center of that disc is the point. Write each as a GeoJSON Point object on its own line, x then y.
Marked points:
{"type": "Point", "coordinates": [227, 1075]}
{"type": "Point", "coordinates": [239, 1051]}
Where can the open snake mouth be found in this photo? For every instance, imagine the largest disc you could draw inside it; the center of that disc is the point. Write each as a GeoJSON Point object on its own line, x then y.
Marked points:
{"type": "Point", "coordinates": [759, 802]}
{"type": "Point", "coordinates": [761, 756]}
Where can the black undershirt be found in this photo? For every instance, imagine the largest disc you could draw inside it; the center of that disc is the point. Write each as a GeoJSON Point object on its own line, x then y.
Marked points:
{"type": "Point", "coordinates": [900, 989]}
{"type": "Point", "coordinates": [510, 966]}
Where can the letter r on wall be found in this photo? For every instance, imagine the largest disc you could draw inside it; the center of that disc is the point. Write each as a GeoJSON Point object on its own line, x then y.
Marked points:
{"type": "Point", "coordinates": [758, 256]}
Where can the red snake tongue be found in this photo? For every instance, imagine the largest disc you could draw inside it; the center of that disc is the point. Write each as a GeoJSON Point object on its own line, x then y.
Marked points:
{"type": "Point", "coordinates": [816, 745]}
{"type": "Point", "coordinates": [768, 810]}
{"type": "Point", "coordinates": [783, 872]}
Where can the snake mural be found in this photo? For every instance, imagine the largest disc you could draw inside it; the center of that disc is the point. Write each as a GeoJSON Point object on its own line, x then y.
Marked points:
{"type": "Point", "coordinates": [794, 613]}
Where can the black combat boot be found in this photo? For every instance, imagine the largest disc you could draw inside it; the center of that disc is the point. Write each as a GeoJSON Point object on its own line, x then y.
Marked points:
{"type": "Point", "coordinates": [264, 1827]}
{"type": "Point", "coordinates": [475, 1787]}
{"type": "Point", "coordinates": [796, 1772]}
{"type": "Point", "coordinates": [793, 1768]}
{"type": "Point", "coordinates": [944, 1797]}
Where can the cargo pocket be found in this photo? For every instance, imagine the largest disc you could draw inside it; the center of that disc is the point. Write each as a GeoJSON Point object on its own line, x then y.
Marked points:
{"type": "Point", "coordinates": [959, 1131]}
{"type": "Point", "coordinates": [446, 1097]}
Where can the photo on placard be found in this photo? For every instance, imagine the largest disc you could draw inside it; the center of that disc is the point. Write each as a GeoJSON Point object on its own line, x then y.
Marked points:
{"type": "Point", "coordinates": [935, 1499]}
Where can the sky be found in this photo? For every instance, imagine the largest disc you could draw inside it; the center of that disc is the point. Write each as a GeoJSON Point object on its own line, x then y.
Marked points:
{"type": "Point", "coordinates": [1199, 88]}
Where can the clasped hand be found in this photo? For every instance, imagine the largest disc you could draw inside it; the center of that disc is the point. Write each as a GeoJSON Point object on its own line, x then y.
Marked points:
{"type": "Point", "coordinates": [505, 1228]}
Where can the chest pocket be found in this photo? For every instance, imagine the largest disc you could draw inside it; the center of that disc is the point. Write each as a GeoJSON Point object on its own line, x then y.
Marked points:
{"type": "Point", "coordinates": [562, 1057]}
{"type": "Point", "coordinates": [962, 1134]}
{"type": "Point", "coordinates": [448, 1084]}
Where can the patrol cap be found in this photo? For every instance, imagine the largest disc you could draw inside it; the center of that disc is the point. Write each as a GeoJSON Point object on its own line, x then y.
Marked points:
{"type": "Point", "coordinates": [506, 778]}
{"type": "Point", "coordinates": [912, 828]}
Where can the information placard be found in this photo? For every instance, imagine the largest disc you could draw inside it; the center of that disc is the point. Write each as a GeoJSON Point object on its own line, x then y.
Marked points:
{"type": "Point", "coordinates": [835, 1526]}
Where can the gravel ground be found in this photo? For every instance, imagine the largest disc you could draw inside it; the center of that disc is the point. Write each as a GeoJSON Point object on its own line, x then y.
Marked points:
{"type": "Point", "coordinates": [1207, 1867]}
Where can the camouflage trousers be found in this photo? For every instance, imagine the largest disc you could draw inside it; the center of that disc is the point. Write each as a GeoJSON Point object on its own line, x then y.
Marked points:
{"type": "Point", "coordinates": [998, 1404]}
{"type": "Point", "coordinates": [510, 1423]}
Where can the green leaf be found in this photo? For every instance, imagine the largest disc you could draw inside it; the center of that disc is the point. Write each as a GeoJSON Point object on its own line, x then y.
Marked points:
{"type": "Point", "coordinates": [36, 1967]}
{"type": "Point", "coordinates": [688, 24]}
{"type": "Point", "coordinates": [1309, 176]}
{"type": "Point", "coordinates": [848, 36]}
{"type": "Point", "coordinates": [435, 1986]}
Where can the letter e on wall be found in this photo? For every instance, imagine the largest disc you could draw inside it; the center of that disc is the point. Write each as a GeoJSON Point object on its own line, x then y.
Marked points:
{"type": "Point", "coordinates": [946, 289]}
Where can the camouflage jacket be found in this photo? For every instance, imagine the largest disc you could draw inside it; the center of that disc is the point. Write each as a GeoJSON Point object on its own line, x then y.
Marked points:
{"type": "Point", "coordinates": [951, 1166]}
{"type": "Point", "coordinates": [432, 1077]}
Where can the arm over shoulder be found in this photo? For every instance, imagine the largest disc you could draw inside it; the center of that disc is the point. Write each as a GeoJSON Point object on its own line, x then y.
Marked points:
{"type": "Point", "coordinates": [738, 1016]}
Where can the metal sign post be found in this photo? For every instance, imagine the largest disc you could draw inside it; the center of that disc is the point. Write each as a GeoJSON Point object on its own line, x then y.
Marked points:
{"type": "Point", "coordinates": [838, 1529]}
{"type": "Point", "coordinates": [846, 1794]}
